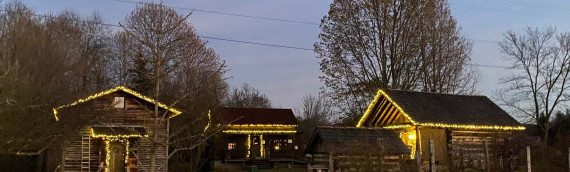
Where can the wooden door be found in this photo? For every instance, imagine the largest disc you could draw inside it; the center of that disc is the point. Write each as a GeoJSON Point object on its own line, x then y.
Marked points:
{"type": "Point", "coordinates": [117, 156]}
{"type": "Point", "coordinates": [256, 147]}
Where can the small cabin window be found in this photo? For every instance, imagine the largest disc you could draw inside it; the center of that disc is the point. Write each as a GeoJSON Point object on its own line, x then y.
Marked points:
{"type": "Point", "coordinates": [119, 102]}
{"type": "Point", "coordinates": [231, 146]}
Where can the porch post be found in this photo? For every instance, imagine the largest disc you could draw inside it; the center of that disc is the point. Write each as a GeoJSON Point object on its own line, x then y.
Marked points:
{"type": "Point", "coordinates": [418, 151]}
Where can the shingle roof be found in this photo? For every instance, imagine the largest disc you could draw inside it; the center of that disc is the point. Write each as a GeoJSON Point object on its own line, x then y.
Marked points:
{"type": "Point", "coordinates": [347, 139]}
{"type": "Point", "coordinates": [258, 116]}
{"type": "Point", "coordinates": [451, 109]}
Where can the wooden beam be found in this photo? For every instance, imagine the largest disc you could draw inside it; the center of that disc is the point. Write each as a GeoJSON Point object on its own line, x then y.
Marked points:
{"type": "Point", "coordinates": [389, 114]}
{"type": "Point", "coordinates": [395, 113]}
{"type": "Point", "coordinates": [385, 114]}
{"type": "Point", "coordinates": [380, 113]}
{"type": "Point", "coordinates": [376, 111]}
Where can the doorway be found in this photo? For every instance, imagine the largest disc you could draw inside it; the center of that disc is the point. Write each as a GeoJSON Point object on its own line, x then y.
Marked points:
{"type": "Point", "coordinates": [256, 147]}
{"type": "Point", "coordinates": [116, 155]}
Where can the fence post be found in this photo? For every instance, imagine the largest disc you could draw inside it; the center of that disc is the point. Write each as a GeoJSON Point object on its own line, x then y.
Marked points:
{"type": "Point", "coordinates": [528, 159]}
{"type": "Point", "coordinates": [331, 163]}
{"type": "Point", "coordinates": [487, 162]}
{"type": "Point", "coordinates": [431, 156]}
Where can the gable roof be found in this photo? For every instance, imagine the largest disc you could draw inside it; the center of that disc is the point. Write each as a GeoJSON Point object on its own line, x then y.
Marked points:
{"type": "Point", "coordinates": [446, 110]}
{"type": "Point", "coordinates": [257, 116]}
{"type": "Point", "coordinates": [347, 139]}
{"type": "Point", "coordinates": [175, 112]}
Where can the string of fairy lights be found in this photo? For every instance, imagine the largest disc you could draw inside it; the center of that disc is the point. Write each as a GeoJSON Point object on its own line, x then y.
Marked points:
{"type": "Point", "coordinates": [381, 93]}
{"type": "Point", "coordinates": [175, 112]}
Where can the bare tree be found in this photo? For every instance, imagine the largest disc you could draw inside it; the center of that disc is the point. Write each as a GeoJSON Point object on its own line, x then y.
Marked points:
{"type": "Point", "coordinates": [168, 60]}
{"type": "Point", "coordinates": [315, 111]}
{"type": "Point", "coordinates": [365, 45]}
{"type": "Point", "coordinates": [45, 61]}
{"type": "Point", "coordinates": [247, 97]}
{"type": "Point", "coordinates": [541, 88]}
{"type": "Point", "coordinates": [161, 35]}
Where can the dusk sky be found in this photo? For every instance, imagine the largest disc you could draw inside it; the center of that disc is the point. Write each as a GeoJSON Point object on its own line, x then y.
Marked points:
{"type": "Point", "coordinates": [285, 75]}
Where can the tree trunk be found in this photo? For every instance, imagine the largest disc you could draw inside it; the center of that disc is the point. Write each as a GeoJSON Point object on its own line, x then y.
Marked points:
{"type": "Point", "coordinates": [545, 140]}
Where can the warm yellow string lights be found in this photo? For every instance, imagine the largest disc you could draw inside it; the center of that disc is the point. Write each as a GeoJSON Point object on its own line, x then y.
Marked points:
{"type": "Point", "coordinates": [108, 155]}
{"type": "Point", "coordinates": [115, 137]}
{"type": "Point", "coordinates": [259, 131]}
{"type": "Point", "coordinates": [397, 126]}
{"type": "Point", "coordinates": [409, 138]}
{"type": "Point", "coordinates": [260, 125]}
{"type": "Point", "coordinates": [126, 151]}
{"type": "Point", "coordinates": [248, 145]}
{"type": "Point", "coordinates": [261, 145]}
{"type": "Point", "coordinates": [175, 112]}
{"type": "Point", "coordinates": [209, 121]}
{"type": "Point", "coordinates": [476, 127]}
{"type": "Point", "coordinates": [458, 126]}
{"type": "Point", "coordinates": [108, 149]}
{"type": "Point", "coordinates": [379, 94]}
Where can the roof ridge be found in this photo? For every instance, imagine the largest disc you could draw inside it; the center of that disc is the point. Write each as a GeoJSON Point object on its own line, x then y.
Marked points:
{"type": "Point", "coordinates": [225, 107]}
{"type": "Point", "coordinates": [451, 94]}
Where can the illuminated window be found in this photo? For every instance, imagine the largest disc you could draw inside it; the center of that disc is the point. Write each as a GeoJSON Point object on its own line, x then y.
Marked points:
{"type": "Point", "coordinates": [290, 141]}
{"type": "Point", "coordinates": [119, 102]}
{"type": "Point", "coordinates": [231, 146]}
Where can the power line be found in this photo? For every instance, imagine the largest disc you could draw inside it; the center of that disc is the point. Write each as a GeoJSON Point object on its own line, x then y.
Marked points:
{"type": "Point", "coordinates": [205, 37]}
{"type": "Point", "coordinates": [535, 5]}
{"type": "Point", "coordinates": [506, 10]}
{"type": "Point", "coordinates": [221, 39]}
{"type": "Point", "coordinates": [256, 17]}
{"type": "Point", "coordinates": [489, 66]}
{"type": "Point", "coordinates": [256, 43]}
{"type": "Point", "coordinates": [227, 14]}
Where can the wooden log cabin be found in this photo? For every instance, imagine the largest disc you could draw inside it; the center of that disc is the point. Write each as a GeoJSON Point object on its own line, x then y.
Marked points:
{"type": "Point", "coordinates": [113, 131]}
{"type": "Point", "coordinates": [256, 135]}
{"type": "Point", "coordinates": [458, 125]}
{"type": "Point", "coordinates": [355, 149]}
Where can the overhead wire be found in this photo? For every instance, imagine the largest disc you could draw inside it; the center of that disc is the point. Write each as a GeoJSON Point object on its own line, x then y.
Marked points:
{"type": "Point", "coordinates": [234, 40]}
{"type": "Point", "coordinates": [226, 13]}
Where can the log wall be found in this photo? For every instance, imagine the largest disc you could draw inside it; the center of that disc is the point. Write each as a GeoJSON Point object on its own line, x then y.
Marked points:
{"type": "Point", "coordinates": [100, 111]}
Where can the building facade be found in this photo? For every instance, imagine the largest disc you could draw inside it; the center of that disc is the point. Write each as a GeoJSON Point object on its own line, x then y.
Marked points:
{"type": "Point", "coordinates": [256, 134]}
{"type": "Point", "coordinates": [355, 149]}
{"type": "Point", "coordinates": [462, 128]}
{"type": "Point", "coordinates": [114, 130]}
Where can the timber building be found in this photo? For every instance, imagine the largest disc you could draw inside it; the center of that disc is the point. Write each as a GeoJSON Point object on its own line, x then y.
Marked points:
{"type": "Point", "coordinates": [458, 125]}
{"type": "Point", "coordinates": [256, 135]}
{"type": "Point", "coordinates": [113, 131]}
{"type": "Point", "coordinates": [345, 148]}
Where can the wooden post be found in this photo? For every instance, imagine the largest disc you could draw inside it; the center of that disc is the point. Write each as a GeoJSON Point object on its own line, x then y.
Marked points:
{"type": "Point", "coordinates": [528, 166]}
{"type": "Point", "coordinates": [487, 162]}
{"type": "Point", "coordinates": [431, 156]}
{"type": "Point", "coordinates": [418, 152]}
{"type": "Point", "coordinates": [331, 163]}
